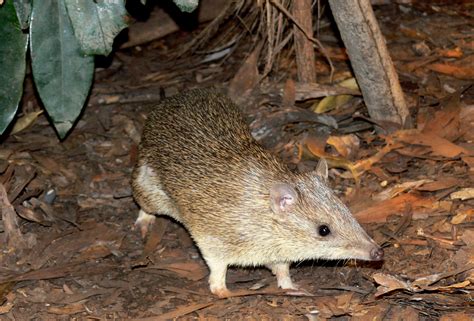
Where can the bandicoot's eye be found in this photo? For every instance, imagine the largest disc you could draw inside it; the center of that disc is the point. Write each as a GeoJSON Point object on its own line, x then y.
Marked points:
{"type": "Point", "coordinates": [324, 230]}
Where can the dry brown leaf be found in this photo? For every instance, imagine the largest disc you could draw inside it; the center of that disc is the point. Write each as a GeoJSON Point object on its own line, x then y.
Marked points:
{"type": "Point", "coordinates": [439, 184]}
{"type": "Point", "coordinates": [32, 215]}
{"type": "Point", "coordinates": [347, 146]}
{"type": "Point", "coordinates": [469, 162]}
{"type": "Point", "coordinates": [463, 194]}
{"type": "Point", "coordinates": [439, 146]}
{"type": "Point", "coordinates": [461, 69]}
{"type": "Point", "coordinates": [425, 282]}
{"type": "Point", "coordinates": [445, 122]}
{"type": "Point", "coordinates": [67, 309]}
{"type": "Point", "coordinates": [398, 189]}
{"type": "Point", "coordinates": [451, 287]}
{"type": "Point", "coordinates": [450, 53]}
{"type": "Point", "coordinates": [6, 307]}
{"type": "Point", "coordinates": [388, 283]}
{"type": "Point", "coordinates": [316, 145]}
{"type": "Point", "coordinates": [463, 216]}
{"type": "Point", "coordinates": [379, 211]}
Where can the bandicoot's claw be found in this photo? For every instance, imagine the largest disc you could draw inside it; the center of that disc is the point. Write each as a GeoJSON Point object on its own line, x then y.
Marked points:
{"type": "Point", "coordinates": [298, 292]}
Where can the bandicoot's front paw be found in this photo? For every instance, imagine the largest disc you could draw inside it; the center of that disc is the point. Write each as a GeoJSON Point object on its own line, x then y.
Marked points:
{"type": "Point", "coordinates": [221, 292]}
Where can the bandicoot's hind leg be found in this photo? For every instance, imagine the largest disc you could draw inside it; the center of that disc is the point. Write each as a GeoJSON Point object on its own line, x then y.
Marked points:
{"type": "Point", "coordinates": [144, 222]}
{"type": "Point", "coordinates": [153, 200]}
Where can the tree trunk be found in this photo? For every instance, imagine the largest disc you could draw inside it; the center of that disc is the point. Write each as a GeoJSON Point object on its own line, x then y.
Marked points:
{"type": "Point", "coordinates": [373, 67]}
{"type": "Point", "coordinates": [304, 47]}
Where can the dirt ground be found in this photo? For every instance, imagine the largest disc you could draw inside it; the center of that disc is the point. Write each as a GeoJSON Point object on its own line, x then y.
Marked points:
{"type": "Point", "coordinates": [84, 261]}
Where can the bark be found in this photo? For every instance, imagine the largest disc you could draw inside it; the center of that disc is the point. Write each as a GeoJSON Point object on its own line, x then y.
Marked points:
{"type": "Point", "coordinates": [373, 67]}
{"type": "Point", "coordinates": [304, 47]}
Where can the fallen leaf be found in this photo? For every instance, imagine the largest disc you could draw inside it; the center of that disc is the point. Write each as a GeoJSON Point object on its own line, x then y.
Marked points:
{"type": "Point", "coordinates": [469, 161]}
{"type": "Point", "coordinates": [439, 184]}
{"type": "Point", "coordinates": [6, 307]}
{"type": "Point", "coordinates": [316, 145]}
{"type": "Point", "coordinates": [398, 189]}
{"type": "Point", "coordinates": [461, 69]}
{"type": "Point", "coordinates": [333, 102]}
{"type": "Point", "coordinates": [439, 146]}
{"type": "Point", "coordinates": [347, 146]}
{"type": "Point", "coordinates": [388, 283]}
{"type": "Point", "coordinates": [67, 309]}
{"type": "Point", "coordinates": [398, 205]}
{"type": "Point", "coordinates": [445, 122]}
{"type": "Point", "coordinates": [463, 194]}
{"type": "Point", "coordinates": [450, 53]}
{"type": "Point", "coordinates": [25, 121]}
{"type": "Point", "coordinates": [463, 216]}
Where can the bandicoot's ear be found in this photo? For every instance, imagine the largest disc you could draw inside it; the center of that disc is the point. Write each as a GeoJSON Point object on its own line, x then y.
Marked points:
{"type": "Point", "coordinates": [322, 169]}
{"type": "Point", "coordinates": [282, 197]}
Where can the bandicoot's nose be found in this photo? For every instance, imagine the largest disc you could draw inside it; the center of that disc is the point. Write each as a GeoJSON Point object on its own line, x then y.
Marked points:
{"type": "Point", "coordinates": [376, 254]}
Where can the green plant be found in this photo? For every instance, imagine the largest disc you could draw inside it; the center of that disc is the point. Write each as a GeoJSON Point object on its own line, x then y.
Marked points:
{"type": "Point", "coordinates": [62, 36]}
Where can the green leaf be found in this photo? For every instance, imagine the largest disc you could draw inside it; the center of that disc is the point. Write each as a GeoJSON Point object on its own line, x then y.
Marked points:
{"type": "Point", "coordinates": [186, 5]}
{"type": "Point", "coordinates": [13, 44]}
{"type": "Point", "coordinates": [96, 23]}
{"type": "Point", "coordinates": [23, 11]}
{"type": "Point", "coordinates": [62, 74]}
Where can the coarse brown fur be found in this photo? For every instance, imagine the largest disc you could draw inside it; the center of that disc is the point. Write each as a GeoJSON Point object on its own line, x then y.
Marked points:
{"type": "Point", "coordinates": [199, 164]}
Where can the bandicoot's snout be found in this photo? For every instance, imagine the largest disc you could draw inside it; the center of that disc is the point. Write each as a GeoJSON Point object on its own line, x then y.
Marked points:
{"type": "Point", "coordinates": [376, 254]}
